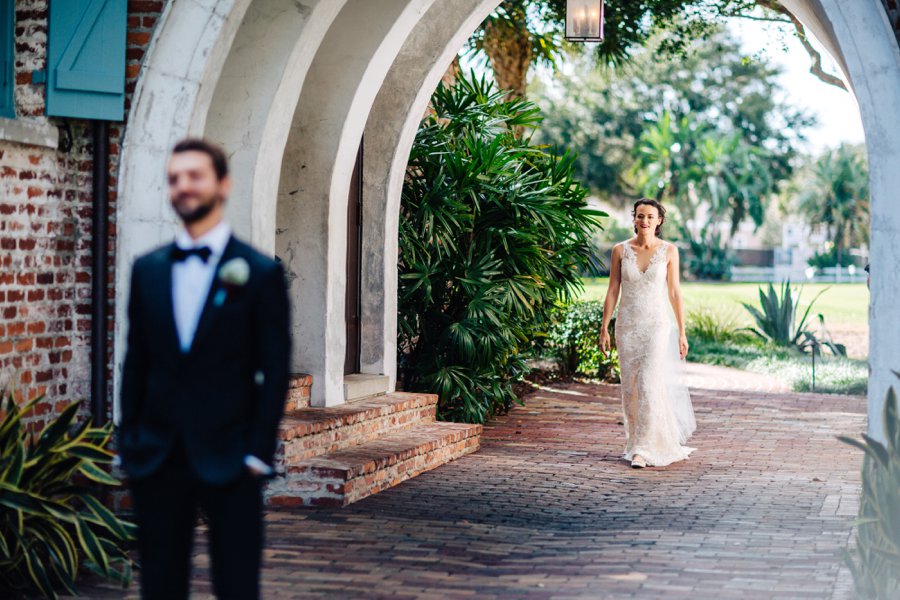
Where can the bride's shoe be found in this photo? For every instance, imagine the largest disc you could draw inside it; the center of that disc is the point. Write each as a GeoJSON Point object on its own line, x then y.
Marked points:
{"type": "Point", "coordinates": [638, 462]}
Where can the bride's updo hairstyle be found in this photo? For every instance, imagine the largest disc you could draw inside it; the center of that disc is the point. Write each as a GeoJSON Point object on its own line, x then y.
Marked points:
{"type": "Point", "coordinates": [655, 204]}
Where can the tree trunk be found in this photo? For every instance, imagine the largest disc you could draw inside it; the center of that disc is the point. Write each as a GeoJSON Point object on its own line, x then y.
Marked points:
{"type": "Point", "coordinates": [447, 79]}
{"type": "Point", "coordinates": [452, 72]}
{"type": "Point", "coordinates": [507, 44]}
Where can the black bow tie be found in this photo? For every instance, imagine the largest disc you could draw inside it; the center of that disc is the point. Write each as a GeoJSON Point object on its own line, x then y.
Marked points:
{"type": "Point", "coordinates": [180, 254]}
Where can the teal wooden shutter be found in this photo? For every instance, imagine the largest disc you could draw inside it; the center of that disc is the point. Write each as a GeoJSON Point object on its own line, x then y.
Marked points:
{"type": "Point", "coordinates": [7, 58]}
{"type": "Point", "coordinates": [86, 59]}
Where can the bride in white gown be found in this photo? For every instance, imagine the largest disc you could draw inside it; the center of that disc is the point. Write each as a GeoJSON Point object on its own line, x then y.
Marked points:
{"type": "Point", "coordinates": [651, 342]}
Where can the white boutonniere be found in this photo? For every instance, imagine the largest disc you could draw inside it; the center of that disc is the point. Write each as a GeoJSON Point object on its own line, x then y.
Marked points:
{"type": "Point", "coordinates": [233, 274]}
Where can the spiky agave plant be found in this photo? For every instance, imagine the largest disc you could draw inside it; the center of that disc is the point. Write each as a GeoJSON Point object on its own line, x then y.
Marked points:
{"type": "Point", "coordinates": [51, 522]}
{"type": "Point", "coordinates": [776, 317]}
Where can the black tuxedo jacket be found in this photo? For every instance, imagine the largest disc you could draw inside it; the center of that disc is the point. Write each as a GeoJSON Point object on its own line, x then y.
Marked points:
{"type": "Point", "coordinates": [224, 397]}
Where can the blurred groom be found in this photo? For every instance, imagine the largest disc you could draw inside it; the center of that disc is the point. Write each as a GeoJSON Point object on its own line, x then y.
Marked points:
{"type": "Point", "coordinates": [203, 387]}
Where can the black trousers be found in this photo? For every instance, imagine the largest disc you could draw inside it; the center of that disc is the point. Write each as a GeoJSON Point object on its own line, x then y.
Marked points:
{"type": "Point", "coordinates": [166, 506]}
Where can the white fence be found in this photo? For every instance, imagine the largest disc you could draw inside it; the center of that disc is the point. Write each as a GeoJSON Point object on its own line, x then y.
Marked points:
{"type": "Point", "coordinates": [778, 274]}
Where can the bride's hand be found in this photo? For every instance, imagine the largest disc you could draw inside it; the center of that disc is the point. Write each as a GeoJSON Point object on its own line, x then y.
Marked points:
{"type": "Point", "coordinates": [682, 346]}
{"type": "Point", "coordinates": [604, 342]}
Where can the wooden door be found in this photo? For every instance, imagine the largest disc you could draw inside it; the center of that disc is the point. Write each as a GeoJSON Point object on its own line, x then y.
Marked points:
{"type": "Point", "coordinates": [354, 255]}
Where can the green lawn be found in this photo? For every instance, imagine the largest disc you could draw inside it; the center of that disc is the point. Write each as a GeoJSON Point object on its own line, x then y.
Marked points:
{"type": "Point", "coordinates": [841, 304]}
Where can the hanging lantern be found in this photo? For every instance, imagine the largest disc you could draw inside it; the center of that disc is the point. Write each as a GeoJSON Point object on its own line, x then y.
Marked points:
{"type": "Point", "coordinates": [584, 20]}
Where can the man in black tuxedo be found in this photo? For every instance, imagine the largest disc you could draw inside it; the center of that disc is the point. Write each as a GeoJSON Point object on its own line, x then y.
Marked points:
{"type": "Point", "coordinates": [203, 387]}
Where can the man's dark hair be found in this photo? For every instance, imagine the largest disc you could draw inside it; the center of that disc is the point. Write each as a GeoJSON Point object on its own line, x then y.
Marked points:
{"type": "Point", "coordinates": [215, 153]}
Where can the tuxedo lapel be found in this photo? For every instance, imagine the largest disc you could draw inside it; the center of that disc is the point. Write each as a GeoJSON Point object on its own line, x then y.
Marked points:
{"type": "Point", "coordinates": [162, 288]}
{"type": "Point", "coordinates": [210, 306]}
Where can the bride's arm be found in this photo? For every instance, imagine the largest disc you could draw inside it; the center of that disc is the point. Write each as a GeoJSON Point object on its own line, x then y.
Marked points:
{"type": "Point", "coordinates": [674, 282]}
{"type": "Point", "coordinates": [612, 295]}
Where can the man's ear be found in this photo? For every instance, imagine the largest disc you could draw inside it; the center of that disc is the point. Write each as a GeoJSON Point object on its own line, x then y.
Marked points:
{"type": "Point", "coordinates": [225, 186]}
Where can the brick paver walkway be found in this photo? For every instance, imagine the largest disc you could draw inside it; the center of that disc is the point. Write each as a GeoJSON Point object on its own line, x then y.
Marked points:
{"type": "Point", "coordinates": [547, 510]}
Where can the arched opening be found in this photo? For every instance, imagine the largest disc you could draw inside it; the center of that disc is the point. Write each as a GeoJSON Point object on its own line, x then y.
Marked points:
{"type": "Point", "coordinates": [831, 23]}
{"type": "Point", "coordinates": [290, 88]}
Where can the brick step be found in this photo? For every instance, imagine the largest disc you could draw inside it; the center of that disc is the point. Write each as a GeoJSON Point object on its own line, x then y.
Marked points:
{"type": "Point", "coordinates": [345, 476]}
{"type": "Point", "coordinates": [313, 431]}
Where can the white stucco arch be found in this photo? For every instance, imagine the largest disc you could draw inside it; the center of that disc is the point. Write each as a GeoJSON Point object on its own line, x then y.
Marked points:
{"type": "Point", "coordinates": [390, 132]}
{"type": "Point", "coordinates": [292, 104]}
{"type": "Point", "coordinates": [349, 69]}
{"type": "Point", "coordinates": [243, 83]}
{"type": "Point", "coordinates": [252, 107]}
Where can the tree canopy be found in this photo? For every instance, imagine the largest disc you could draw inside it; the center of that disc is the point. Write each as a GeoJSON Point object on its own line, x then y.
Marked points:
{"type": "Point", "coordinates": [521, 33]}
{"type": "Point", "coordinates": [603, 111]}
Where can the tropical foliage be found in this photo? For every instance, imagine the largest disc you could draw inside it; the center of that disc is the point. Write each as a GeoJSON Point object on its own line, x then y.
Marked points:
{"type": "Point", "coordinates": [494, 232]}
{"type": "Point", "coordinates": [520, 33]}
{"type": "Point", "coordinates": [51, 523]}
{"type": "Point", "coordinates": [834, 192]}
{"type": "Point", "coordinates": [712, 180]}
{"type": "Point", "coordinates": [603, 112]}
{"type": "Point", "coordinates": [706, 135]}
{"type": "Point", "coordinates": [875, 563]}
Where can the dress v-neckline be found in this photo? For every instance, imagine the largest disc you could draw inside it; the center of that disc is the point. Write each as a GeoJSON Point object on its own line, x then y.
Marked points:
{"type": "Point", "coordinates": [652, 256]}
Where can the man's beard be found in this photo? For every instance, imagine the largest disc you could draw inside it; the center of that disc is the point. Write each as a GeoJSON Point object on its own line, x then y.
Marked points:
{"type": "Point", "coordinates": [198, 213]}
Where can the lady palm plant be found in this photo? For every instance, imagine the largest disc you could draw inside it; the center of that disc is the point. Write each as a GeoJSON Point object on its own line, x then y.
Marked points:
{"type": "Point", "coordinates": [51, 523]}
{"type": "Point", "coordinates": [493, 232]}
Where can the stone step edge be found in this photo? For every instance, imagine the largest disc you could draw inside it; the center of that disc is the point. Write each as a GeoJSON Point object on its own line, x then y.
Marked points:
{"type": "Point", "coordinates": [309, 421]}
{"type": "Point", "coordinates": [301, 448]}
{"type": "Point", "coordinates": [330, 485]}
{"type": "Point", "coordinates": [367, 485]}
{"type": "Point", "coordinates": [384, 451]}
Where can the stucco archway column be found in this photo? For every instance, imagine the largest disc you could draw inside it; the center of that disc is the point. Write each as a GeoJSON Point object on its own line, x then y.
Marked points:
{"type": "Point", "coordinates": [390, 132]}
{"type": "Point", "coordinates": [253, 104]}
{"type": "Point", "coordinates": [344, 78]}
{"type": "Point", "coordinates": [173, 93]}
{"type": "Point", "coordinates": [861, 39]}
{"type": "Point", "coordinates": [867, 47]}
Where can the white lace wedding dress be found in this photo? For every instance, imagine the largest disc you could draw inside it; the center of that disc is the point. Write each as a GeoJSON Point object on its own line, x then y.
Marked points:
{"type": "Point", "coordinates": [659, 417]}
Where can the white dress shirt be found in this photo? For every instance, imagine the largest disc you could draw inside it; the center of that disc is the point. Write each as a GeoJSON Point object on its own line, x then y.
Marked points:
{"type": "Point", "coordinates": [191, 281]}
{"type": "Point", "coordinates": [192, 278]}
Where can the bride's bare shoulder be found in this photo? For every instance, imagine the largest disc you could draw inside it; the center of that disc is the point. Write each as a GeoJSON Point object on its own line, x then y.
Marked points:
{"type": "Point", "coordinates": [620, 247]}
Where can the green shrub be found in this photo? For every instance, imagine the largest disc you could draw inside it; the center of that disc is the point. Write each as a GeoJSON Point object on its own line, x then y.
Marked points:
{"type": "Point", "coordinates": [49, 518]}
{"type": "Point", "coordinates": [704, 324]}
{"type": "Point", "coordinates": [574, 341]}
{"type": "Point", "coordinates": [829, 258]}
{"type": "Point", "coordinates": [493, 233]}
{"type": "Point", "coordinates": [876, 564]}
{"type": "Point", "coordinates": [710, 258]}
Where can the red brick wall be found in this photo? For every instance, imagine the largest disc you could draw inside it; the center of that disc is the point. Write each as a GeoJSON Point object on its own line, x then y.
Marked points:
{"type": "Point", "coordinates": [45, 228]}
